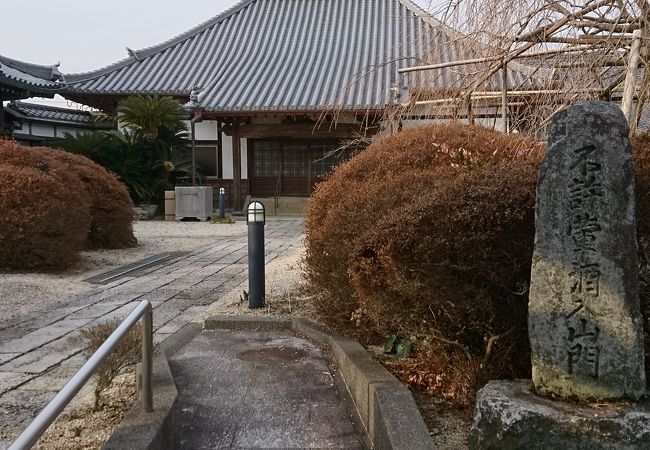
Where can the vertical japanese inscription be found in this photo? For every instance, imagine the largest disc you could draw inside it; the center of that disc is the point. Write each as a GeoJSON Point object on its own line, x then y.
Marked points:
{"type": "Point", "coordinates": [585, 192]}
{"type": "Point", "coordinates": [584, 322]}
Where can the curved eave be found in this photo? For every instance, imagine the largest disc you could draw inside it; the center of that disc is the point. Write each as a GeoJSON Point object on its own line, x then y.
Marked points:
{"type": "Point", "coordinates": [17, 79]}
{"type": "Point", "coordinates": [11, 89]}
{"type": "Point", "coordinates": [46, 73]}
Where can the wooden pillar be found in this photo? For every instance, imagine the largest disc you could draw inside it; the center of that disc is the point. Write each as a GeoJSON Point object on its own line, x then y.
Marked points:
{"type": "Point", "coordinates": [630, 77]}
{"type": "Point", "coordinates": [236, 169]}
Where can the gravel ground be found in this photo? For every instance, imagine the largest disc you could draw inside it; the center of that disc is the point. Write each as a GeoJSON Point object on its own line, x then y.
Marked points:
{"type": "Point", "coordinates": [22, 293]}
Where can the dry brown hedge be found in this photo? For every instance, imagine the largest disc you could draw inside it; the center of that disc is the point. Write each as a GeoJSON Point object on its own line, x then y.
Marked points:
{"type": "Point", "coordinates": [45, 216]}
{"type": "Point", "coordinates": [58, 205]}
{"type": "Point", "coordinates": [429, 234]}
{"type": "Point", "coordinates": [112, 207]}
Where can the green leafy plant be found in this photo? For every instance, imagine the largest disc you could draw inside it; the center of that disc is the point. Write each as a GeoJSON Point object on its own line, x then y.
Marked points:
{"type": "Point", "coordinates": [226, 220]}
{"type": "Point", "coordinates": [147, 155]}
{"type": "Point", "coordinates": [397, 346]}
{"type": "Point", "coordinates": [153, 116]}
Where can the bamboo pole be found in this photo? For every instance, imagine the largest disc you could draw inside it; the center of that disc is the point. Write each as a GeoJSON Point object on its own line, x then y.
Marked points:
{"type": "Point", "coordinates": [504, 96]}
{"type": "Point", "coordinates": [544, 30]}
{"type": "Point", "coordinates": [630, 77]}
{"type": "Point", "coordinates": [498, 94]}
{"type": "Point", "coordinates": [464, 62]}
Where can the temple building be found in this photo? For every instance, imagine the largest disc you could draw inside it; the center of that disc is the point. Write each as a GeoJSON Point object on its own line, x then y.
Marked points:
{"type": "Point", "coordinates": [276, 87]}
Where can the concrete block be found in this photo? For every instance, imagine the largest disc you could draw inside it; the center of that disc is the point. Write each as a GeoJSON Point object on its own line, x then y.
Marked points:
{"type": "Point", "coordinates": [247, 323]}
{"type": "Point", "coordinates": [140, 430]}
{"type": "Point", "coordinates": [180, 339]}
{"type": "Point", "coordinates": [395, 422]}
{"type": "Point", "coordinates": [309, 330]}
{"type": "Point", "coordinates": [360, 371]}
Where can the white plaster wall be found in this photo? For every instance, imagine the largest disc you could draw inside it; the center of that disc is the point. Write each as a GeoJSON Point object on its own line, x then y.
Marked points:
{"type": "Point", "coordinates": [206, 130]}
{"type": "Point", "coordinates": [21, 128]}
{"type": "Point", "coordinates": [226, 153]}
{"type": "Point", "coordinates": [42, 130]}
{"type": "Point", "coordinates": [226, 157]}
{"type": "Point", "coordinates": [61, 131]}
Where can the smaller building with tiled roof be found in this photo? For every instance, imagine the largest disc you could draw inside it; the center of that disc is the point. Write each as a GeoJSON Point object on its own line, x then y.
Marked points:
{"type": "Point", "coordinates": [20, 80]}
{"type": "Point", "coordinates": [35, 124]}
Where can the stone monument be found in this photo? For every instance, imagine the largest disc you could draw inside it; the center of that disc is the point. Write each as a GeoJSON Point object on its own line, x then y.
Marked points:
{"type": "Point", "coordinates": [585, 325]}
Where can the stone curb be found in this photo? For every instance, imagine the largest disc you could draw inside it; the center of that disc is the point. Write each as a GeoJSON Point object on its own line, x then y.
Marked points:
{"type": "Point", "coordinates": [385, 406]}
{"type": "Point", "coordinates": [155, 430]}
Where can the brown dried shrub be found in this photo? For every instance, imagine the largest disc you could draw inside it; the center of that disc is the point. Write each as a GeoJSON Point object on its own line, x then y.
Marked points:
{"type": "Point", "coordinates": [46, 213]}
{"type": "Point", "coordinates": [430, 233]}
{"type": "Point", "coordinates": [126, 353]}
{"type": "Point", "coordinates": [112, 207]}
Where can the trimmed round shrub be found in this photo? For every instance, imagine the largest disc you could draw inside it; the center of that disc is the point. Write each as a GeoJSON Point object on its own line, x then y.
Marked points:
{"type": "Point", "coordinates": [111, 205]}
{"type": "Point", "coordinates": [428, 234]}
{"type": "Point", "coordinates": [45, 219]}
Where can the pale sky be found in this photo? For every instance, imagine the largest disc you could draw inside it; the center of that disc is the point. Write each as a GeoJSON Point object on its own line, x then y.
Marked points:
{"type": "Point", "coordinates": [88, 34]}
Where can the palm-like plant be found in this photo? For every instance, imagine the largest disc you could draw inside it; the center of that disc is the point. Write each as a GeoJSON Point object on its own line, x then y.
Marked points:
{"type": "Point", "coordinates": [151, 115]}
{"type": "Point", "coordinates": [142, 156]}
{"type": "Point", "coordinates": [126, 155]}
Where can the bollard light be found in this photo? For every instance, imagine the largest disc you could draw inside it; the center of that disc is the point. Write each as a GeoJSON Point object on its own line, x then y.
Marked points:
{"type": "Point", "coordinates": [256, 289]}
{"type": "Point", "coordinates": [222, 203]}
{"type": "Point", "coordinates": [255, 213]}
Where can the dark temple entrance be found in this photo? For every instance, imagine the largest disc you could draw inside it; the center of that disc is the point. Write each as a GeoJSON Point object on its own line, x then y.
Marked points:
{"type": "Point", "coordinates": [290, 168]}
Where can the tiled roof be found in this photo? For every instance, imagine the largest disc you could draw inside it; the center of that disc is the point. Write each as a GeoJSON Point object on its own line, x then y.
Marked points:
{"type": "Point", "coordinates": [30, 76]}
{"type": "Point", "coordinates": [292, 55]}
{"type": "Point", "coordinates": [48, 113]}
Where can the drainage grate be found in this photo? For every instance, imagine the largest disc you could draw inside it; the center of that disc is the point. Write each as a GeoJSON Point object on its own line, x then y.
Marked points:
{"type": "Point", "coordinates": [129, 269]}
{"type": "Point", "coordinates": [273, 355]}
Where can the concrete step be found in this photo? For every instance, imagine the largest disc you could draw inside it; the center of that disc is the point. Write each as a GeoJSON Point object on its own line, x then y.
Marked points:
{"type": "Point", "coordinates": [285, 206]}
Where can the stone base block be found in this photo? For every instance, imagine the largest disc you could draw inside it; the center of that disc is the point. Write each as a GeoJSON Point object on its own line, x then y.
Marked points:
{"type": "Point", "coordinates": [509, 416]}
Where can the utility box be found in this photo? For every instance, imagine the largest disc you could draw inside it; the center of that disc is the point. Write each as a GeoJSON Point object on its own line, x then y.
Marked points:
{"type": "Point", "coordinates": [193, 202]}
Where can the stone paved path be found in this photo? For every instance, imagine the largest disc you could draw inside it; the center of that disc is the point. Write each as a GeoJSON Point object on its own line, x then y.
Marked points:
{"type": "Point", "coordinates": [257, 390]}
{"type": "Point", "coordinates": [39, 353]}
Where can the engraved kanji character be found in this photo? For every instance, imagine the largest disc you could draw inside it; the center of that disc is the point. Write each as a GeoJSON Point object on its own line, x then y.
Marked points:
{"type": "Point", "coordinates": [584, 348]}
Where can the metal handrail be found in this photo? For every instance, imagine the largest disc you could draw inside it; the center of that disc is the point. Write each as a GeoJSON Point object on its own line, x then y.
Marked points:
{"type": "Point", "coordinates": [45, 418]}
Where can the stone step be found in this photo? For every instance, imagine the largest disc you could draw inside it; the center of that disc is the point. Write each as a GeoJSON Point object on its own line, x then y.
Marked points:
{"type": "Point", "coordinates": [284, 206]}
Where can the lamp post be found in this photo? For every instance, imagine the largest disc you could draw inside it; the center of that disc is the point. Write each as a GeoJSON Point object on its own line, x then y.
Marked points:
{"type": "Point", "coordinates": [222, 203]}
{"type": "Point", "coordinates": [255, 218]}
